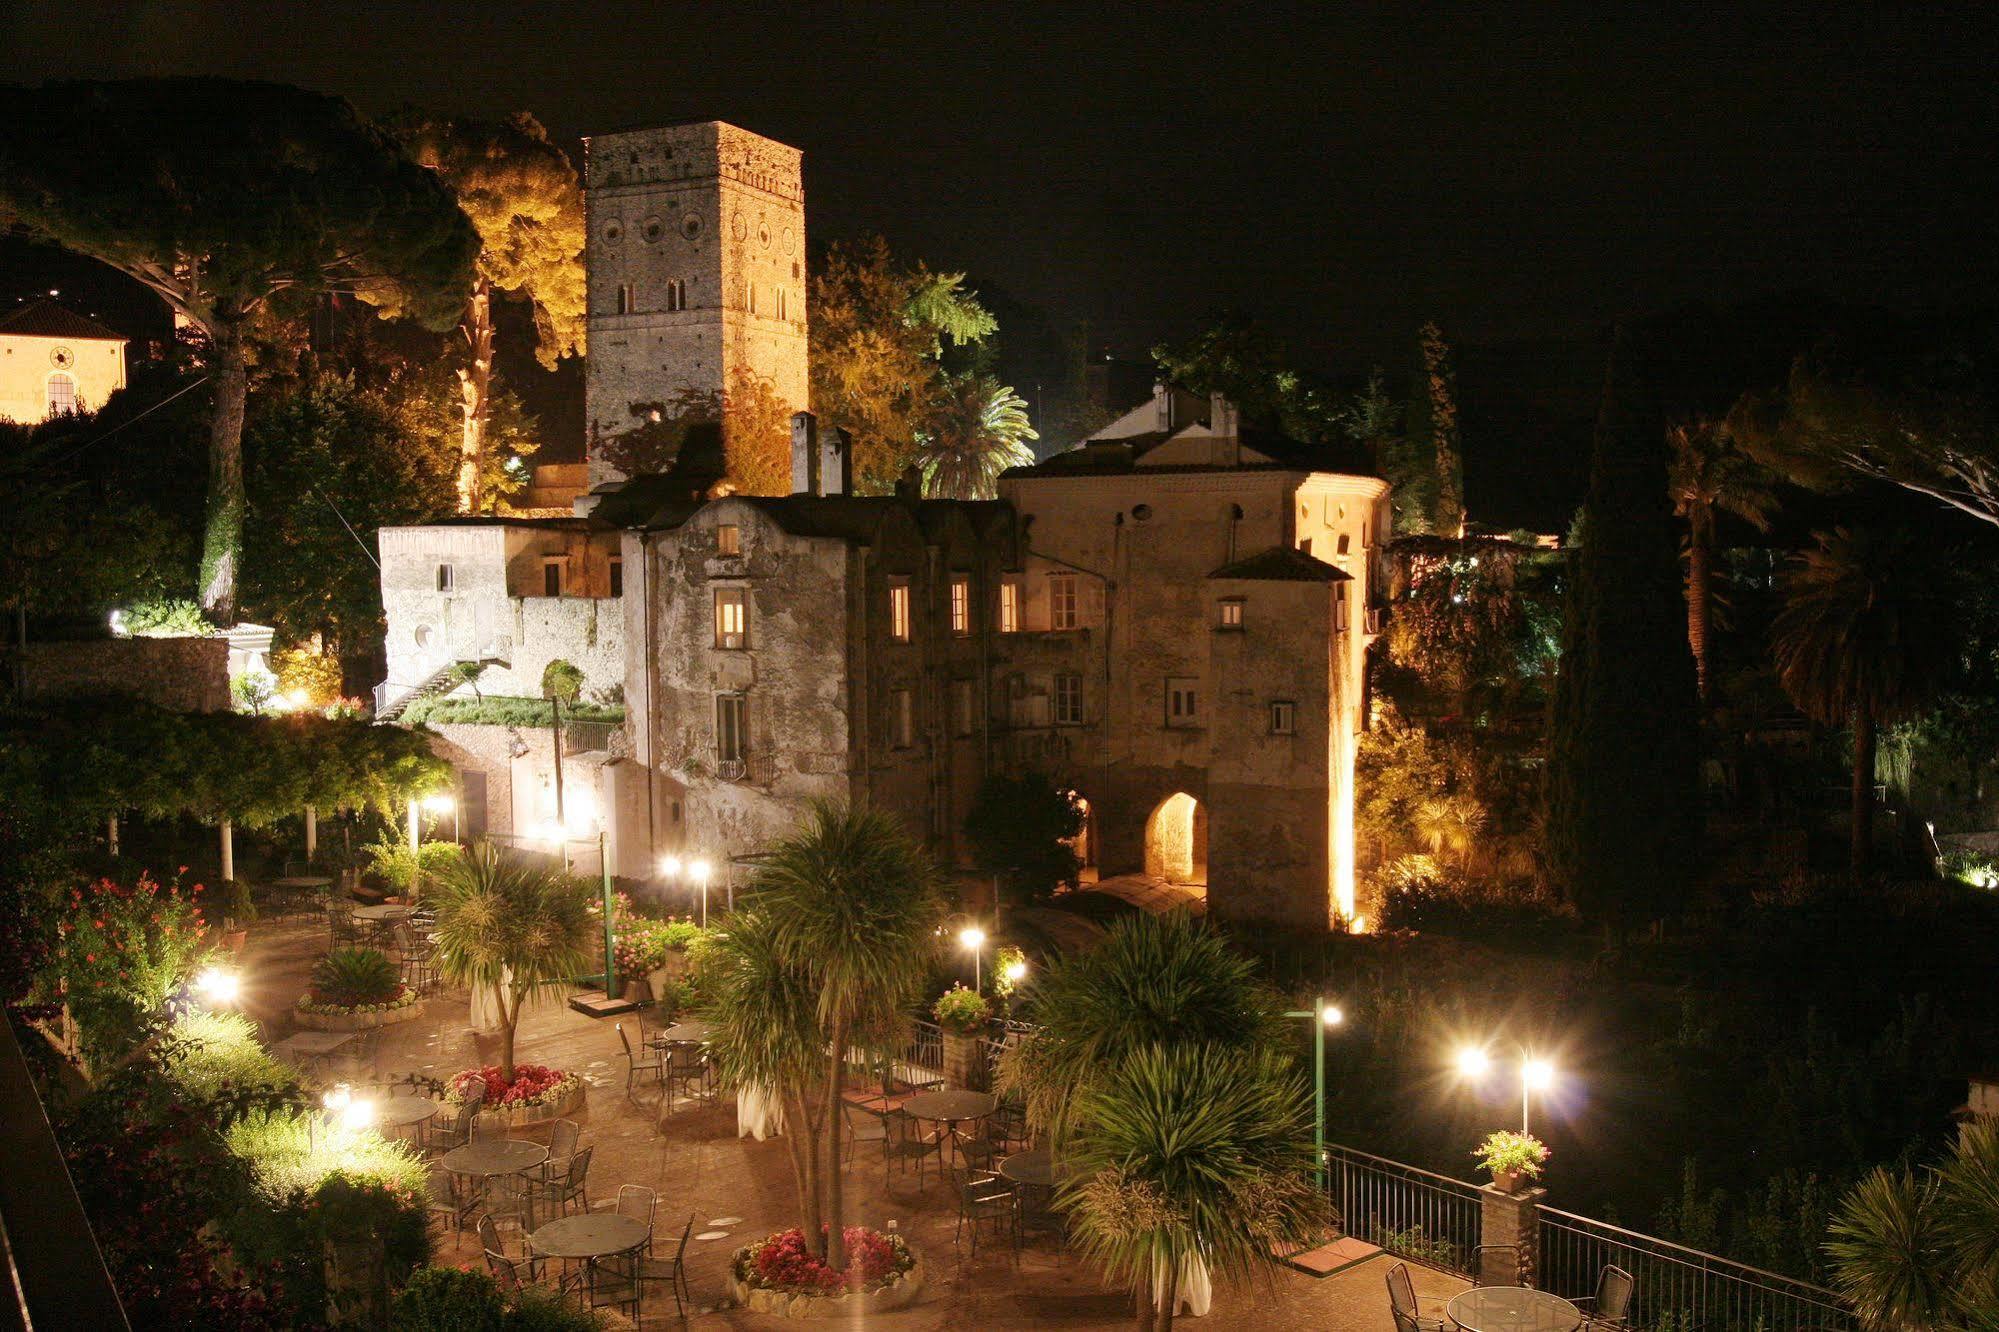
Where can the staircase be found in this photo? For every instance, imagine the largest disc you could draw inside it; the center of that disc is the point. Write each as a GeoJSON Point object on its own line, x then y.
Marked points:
{"type": "Point", "coordinates": [440, 681]}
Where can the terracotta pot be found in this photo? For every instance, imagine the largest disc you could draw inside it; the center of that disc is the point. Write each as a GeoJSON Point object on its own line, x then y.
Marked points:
{"type": "Point", "coordinates": [1506, 1181]}
{"type": "Point", "coordinates": [233, 941]}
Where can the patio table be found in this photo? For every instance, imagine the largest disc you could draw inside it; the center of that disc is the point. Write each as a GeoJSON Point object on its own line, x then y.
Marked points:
{"type": "Point", "coordinates": [691, 1032]}
{"type": "Point", "coordinates": [951, 1108]}
{"type": "Point", "coordinates": [1512, 1309]}
{"type": "Point", "coordinates": [406, 1111]}
{"type": "Point", "coordinates": [308, 1047]}
{"type": "Point", "coordinates": [496, 1159]}
{"type": "Point", "coordinates": [385, 914]}
{"type": "Point", "coordinates": [589, 1238]}
{"type": "Point", "coordinates": [303, 881]}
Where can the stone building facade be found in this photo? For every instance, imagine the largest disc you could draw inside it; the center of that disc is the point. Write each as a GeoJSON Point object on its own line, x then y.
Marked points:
{"type": "Point", "coordinates": [1171, 619]}
{"type": "Point", "coordinates": [696, 271]}
{"type": "Point", "coordinates": [54, 360]}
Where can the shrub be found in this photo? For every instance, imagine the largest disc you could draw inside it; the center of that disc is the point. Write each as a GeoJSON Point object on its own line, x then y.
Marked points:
{"type": "Point", "coordinates": [680, 934]}
{"type": "Point", "coordinates": [165, 619]}
{"type": "Point", "coordinates": [353, 977]}
{"type": "Point", "coordinates": [506, 710]}
{"type": "Point", "coordinates": [314, 675]}
{"type": "Point", "coordinates": [1970, 868]}
{"type": "Point", "coordinates": [208, 1054]}
{"type": "Point", "coordinates": [121, 952]}
{"type": "Point", "coordinates": [1419, 894]}
{"type": "Point", "coordinates": [962, 1011]}
{"type": "Point", "coordinates": [641, 947]}
{"type": "Point", "coordinates": [449, 1299]}
{"type": "Point", "coordinates": [1024, 829]}
{"type": "Point", "coordinates": [287, 1156]}
{"type": "Point", "coordinates": [1506, 1152]}
{"type": "Point", "coordinates": [395, 864]}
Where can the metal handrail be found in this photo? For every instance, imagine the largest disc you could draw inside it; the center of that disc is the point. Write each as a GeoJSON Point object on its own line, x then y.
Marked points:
{"type": "Point", "coordinates": [1653, 1241]}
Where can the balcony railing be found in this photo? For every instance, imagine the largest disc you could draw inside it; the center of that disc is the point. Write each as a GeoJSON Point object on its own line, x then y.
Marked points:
{"type": "Point", "coordinates": [1427, 1218]}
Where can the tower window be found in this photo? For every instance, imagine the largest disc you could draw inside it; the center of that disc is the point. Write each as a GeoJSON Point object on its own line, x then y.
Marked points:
{"type": "Point", "coordinates": [551, 577]}
{"type": "Point", "coordinates": [732, 617]}
{"type": "Point", "coordinates": [961, 606]}
{"type": "Point", "coordinates": [1068, 700]}
{"type": "Point", "coordinates": [1341, 547]}
{"type": "Point", "coordinates": [898, 610]}
{"type": "Point", "coordinates": [1340, 612]}
{"type": "Point", "coordinates": [732, 739]}
{"type": "Point", "coordinates": [446, 578]}
{"type": "Point", "coordinates": [1231, 613]}
{"type": "Point", "coordinates": [1283, 718]}
{"type": "Point", "coordinates": [1183, 699]}
{"type": "Point", "coordinates": [781, 313]}
{"type": "Point", "coordinates": [676, 295]}
{"type": "Point", "coordinates": [62, 394]}
{"type": "Point", "coordinates": [628, 298]}
{"type": "Point", "coordinates": [1062, 601]}
{"type": "Point", "coordinates": [728, 539]}
{"type": "Point", "coordinates": [1009, 607]}
{"type": "Point", "coordinates": [617, 576]}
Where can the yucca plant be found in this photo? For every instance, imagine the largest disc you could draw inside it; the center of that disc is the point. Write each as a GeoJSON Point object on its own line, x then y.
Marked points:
{"type": "Point", "coordinates": [513, 924]}
{"type": "Point", "coordinates": [1192, 1154]}
{"type": "Point", "coordinates": [1154, 980]}
{"type": "Point", "coordinates": [350, 977]}
{"type": "Point", "coordinates": [1920, 1252]}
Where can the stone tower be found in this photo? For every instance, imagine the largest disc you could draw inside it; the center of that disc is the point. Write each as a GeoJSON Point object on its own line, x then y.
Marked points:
{"type": "Point", "coordinates": [696, 267]}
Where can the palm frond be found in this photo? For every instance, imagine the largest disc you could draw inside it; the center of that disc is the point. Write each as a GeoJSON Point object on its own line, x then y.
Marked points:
{"type": "Point", "coordinates": [513, 917]}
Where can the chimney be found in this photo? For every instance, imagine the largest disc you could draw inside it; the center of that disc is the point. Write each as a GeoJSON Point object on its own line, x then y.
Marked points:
{"type": "Point", "coordinates": [1222, 417]}
{"type": "Point", "coordinates": [804, 454]}
{"type": "Point", "coordinates": [835, 454]}
{"type": "Point", "coordinates": [1162, 406]}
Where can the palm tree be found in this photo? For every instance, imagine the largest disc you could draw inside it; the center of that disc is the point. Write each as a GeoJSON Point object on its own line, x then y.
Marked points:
{"type": "Point", "coordinates": [1194, 1155]}
{"type": "Point", "coordinates": [849, 905]}
{"type": "Point", "coordinates": [1860, 639]}
{"type": "Point", "coordinates": [1920, 1253]}
{"type": "Point", "coordinates": [513, 923]}
{"type": "Point", "coordinates": [979, 428]}
{"type": "Point", "coordinates": [1153, 980]}
{"type": "Point", "coordinates": [1709, 476]}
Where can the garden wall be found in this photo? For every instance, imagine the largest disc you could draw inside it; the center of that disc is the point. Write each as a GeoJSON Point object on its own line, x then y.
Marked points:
{"type": "Point", "coordinates": [181, 674]}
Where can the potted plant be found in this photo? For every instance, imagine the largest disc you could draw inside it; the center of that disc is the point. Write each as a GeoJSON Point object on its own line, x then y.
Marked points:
{"type": "Point", "coordinates": [1511, 1157]}
{"type": "Point", "coordinates": [238, 910]}
{"type": "Point", "coordinates": [356, 988]}
{"type": "Point", "coordinates": [963, 1015]}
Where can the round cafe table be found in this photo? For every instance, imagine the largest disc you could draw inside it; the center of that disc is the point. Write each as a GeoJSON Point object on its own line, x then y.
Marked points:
{"type": "Point", "coordinates": [1034, 1167]}
{"type": "Point", "coordinates": [384, 914]}
{"type": "Point", "coordinates": [951, 1108]}
{"type": "Point", "coordinates": [589, 1235]}
{"type": "Point", "coordinates": [496, 1159]}
{"type": "Point", "coordinates": [407, 1111]}
{"type": "Point", "coordinates": [1512, 1309]}
{"type": "Point", "coordinates": [691, 1032]}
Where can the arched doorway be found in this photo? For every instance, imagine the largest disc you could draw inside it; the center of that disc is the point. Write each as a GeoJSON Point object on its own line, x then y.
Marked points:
{"type": "Point", "coordinates": [1176, 840]}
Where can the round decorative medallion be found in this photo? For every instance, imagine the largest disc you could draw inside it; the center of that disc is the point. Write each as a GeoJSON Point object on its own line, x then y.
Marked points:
{"type": "Point", "coordinates": [62, 358]}
{"type": "Point", "coordinates": [738, 226]}
{"type": "Point", "coordinates": [652, 229]}
{"type": "Point", "coordinates": [790, 241]}
{"type": "Point", "coordinates": [763, 234]}
{"type": "Point", "coordinates": [690, 226]}
{"type": "Point", "coordinates": [614, 229]}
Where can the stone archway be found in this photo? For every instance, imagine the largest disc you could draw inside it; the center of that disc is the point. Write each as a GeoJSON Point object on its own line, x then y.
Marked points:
{"type": "Point", "coordinates": [1176, 840]}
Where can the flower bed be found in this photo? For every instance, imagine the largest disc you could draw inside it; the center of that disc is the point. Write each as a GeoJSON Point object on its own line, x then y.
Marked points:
{"type": "Point", "coordinates": [781, 1276]}
{"type": "Point", "coordinates": [537, 1092]}
{"type": "Point", "coordinates": [315, 1014]}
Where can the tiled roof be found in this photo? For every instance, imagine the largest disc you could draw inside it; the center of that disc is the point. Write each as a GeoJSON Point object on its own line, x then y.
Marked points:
{"type": "Point", "coordinates": [46, 319]}
{"type": "Point", "coordinates": [1283, 564]}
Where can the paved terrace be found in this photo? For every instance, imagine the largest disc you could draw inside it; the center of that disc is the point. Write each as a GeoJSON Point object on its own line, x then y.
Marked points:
{"type": "Point", "coordinates": [692, 1156]}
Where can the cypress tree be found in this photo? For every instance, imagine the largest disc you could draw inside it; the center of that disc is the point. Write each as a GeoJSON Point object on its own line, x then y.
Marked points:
{"type": "Point", "coordinates": [1436, 483]}
{"type": "Point", "coordinates": [1623, 813]}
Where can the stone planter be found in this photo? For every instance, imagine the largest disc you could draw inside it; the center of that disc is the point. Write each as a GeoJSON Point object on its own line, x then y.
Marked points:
{"type": "Point", "coordinates": [964, 1062]}
{"type": "Point", "coordinates": [357, 1019]}
{"type": "Point", "coordinates": [855, 1306]}
{"type": "Point", "coordinates": [530, 1116]}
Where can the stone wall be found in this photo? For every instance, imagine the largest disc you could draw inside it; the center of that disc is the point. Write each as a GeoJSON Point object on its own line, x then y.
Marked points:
{"type": "Point", "coordinates": [184, 674]}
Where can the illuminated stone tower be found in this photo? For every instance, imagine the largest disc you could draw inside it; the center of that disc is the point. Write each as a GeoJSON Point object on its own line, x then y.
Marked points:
{"type": "Point", "coordinates": [696, 270]}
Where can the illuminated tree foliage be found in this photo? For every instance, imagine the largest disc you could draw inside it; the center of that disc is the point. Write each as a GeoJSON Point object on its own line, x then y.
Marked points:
{"type": "Point", "coordinates": [1623, 753]}
{"type": "Point", "coordinates": [879, 330]}
{"type": "Point", "coordinates": [979, 429]}
{"type": "Point", "coordinates": [1424, 465]}
{"type": "Point", "coordinates": [1240, 359]}
{"type": "Point", "coordinates": [224, 198]}
{"type": "Point", "coordinates": [522, 194]}
{"type": "Point", "coordinates": [750, 422]}
{"type": "Point", "coordinates": [1709, 476]}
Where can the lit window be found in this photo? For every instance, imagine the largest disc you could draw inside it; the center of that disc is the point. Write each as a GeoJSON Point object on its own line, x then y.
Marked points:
{"type": "Point", "coordinates": [732, 615]}
{"type": "Point", "coordinates": [1283, 718]}
{"type": "Point", "coordinates": [898, 610]}
{"type": "Point", "coordinates": [732, 739]}
{"type": "Point", "coordinates": [62, 394]}
{"type": "Point", "coordinates": [1009, 607]}
{"type": "Point", "coordinates": [961, 606]}
{"type": "Point", "coordinates": [1231, 613]}
{"type": "Point", "coordinates": [1068, 700]}
{"type": "Point", "coordinates": [728, 539]}
{"type": "Point", "coordinates": [963, 714]}
{"type": "Point", "coordinates": [446, 578]}
{"type": "Point", "coordinates": [617, 577]}
{"type": "Point", "coordinates": [1062, 601]}
{"type": "Point", "coordinates": [1183, 697]}
{"type": "Point", "coordinates": [904, 718]}
{"type": "Point", "coordinates": [551, 578]}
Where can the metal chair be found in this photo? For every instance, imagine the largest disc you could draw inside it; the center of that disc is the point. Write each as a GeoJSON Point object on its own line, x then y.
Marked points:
{"type": "Point", "coordinates": [984, 1197]}
{"type": "Point", "coordinates": [685, 1066]}
{"type": "Point", "coordinates": [907, 1142]}
{"type": "Point", "coordinates": [458, 1131]}
{"type": "Point", "coordinates": [637, 1064]}
{"type": "Point", "coordinates": [1402, 1303]}
{"type": "Point", "coordinates": [504, 1270]}
{"type": "Point", "coordinates": [639, 1203]}
{"type": "Point", "coordinates": [491, 1126]}
{"type": "Point", "coordinates": [863, 1125]}
{"type": "Point", "coordinates": [506, 1234]}
{"type": "Point", "coordinates": [1612, 1302]}
{"type": "Point", "coordinates": [572, 1185]}
{"type": "Point", "coordinates": [1509, 1254]}
{"type": "Point", "coordinates": [673, 1270]}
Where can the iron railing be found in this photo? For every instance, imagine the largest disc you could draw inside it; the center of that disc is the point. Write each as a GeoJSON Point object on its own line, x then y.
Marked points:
{"type": "Point", "coordinates": [1680, 1288]}
{"type": "Point", "coordinates": [1427, 1218]}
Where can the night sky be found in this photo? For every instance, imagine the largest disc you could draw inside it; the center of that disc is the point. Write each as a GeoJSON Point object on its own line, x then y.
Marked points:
{"type": "Point", "coordinates": [1520, 173]}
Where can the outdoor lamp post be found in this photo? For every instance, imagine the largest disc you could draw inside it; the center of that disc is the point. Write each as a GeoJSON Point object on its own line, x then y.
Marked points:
{"type": "Point", "coordinates": [1536, 1075]}
{"type": "Point", "coordinates": [217, 987]}
{"type": "Point", "coordinates": [1016, 972]}
{"type": "Point", "coordinates": [1324, 1015]}
{"type": "Point", "coordinates": [974, 938]}
{"type": "Point", "coordinates": [699, 871]}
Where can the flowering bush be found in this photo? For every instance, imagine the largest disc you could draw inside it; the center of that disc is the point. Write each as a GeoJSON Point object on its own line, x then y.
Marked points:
{"type": "Point", "coordinates": [533, 1084]}
{"type": "Point", "coordinates": [1504, 1152]}
{"type": "Point", "coordinates": [641, 947]}
{"type": "Point", "coordinates": [122, 951]}
{"type": "Point", "coordinates": [784, 1262]}
{"type": "Point", "coordinates": [961, 1011]}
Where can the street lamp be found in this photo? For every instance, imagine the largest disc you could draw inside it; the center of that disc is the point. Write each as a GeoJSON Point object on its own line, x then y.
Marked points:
{"type": "Point", "coordinates": [974, 938]}
{"type": "Point", "coordinates": [1325, 1016]}
{"type": "Point", "coordinates": [1536, 1075]}
{"type": "Point", "coordinates": [1015, 971]}
{"type": "Point", "coordinates": [218, 987]}
{"type": "Point", "coordinates": [699, 871]}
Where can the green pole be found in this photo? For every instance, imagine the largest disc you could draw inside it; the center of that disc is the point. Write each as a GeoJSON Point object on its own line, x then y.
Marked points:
{"type": "Point", "coordinates": [610, 950]}
{"type": "Point", "coordinates": [1319, 1094]}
